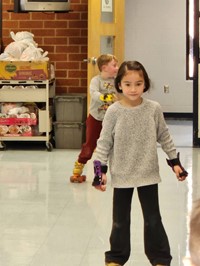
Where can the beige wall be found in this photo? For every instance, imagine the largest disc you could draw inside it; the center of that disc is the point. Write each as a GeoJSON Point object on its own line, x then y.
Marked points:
{"type": "Point", "coordinates": [155, 34]}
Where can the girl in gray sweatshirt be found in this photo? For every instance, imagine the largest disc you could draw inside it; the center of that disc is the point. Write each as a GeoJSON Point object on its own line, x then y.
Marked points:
{"type": "Point", "coordinates": [132, 127]}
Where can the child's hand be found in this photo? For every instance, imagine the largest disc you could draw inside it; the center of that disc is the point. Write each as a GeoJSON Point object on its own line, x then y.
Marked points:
{"type": "Point", "coordinates": [102, 186]}
{"type": "Point", "coordinates": [176, 166]}
{"type": "Point", "coordinates": [179, 173]}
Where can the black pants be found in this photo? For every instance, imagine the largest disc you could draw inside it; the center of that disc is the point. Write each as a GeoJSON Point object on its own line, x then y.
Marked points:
{"type": "Point", "coordinates": [156, 243]}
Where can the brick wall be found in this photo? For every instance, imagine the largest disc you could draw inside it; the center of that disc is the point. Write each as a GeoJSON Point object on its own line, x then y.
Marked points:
{"type": "Point", "coordinates": [63, 35]}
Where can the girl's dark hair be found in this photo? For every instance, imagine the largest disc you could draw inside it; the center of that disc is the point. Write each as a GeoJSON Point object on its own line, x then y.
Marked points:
{"type": "Point", "coordinates": [131, 65]}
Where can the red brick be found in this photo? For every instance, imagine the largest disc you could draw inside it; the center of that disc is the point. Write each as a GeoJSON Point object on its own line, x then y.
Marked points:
{"type": "Point", "coordinates": [44, 32]}
{"type": "Point", "coordinates": [58, 57]}
{"type": "Point", "coordinates": [76, 40]}
{"type": "Point", "coordinates": [68, 32]}
{"type": "Point", "coordinates": [76, 57]}
{"type": "Point", "coordinates": [67, 65]}
{"type": "Point", "coordinates": [60, 74]}
{"type": "Point", "coordinates": [75, 74]}
{"type": "Point", "coordinates": [77, 90]}
{"type": "Point", "coordinates": [56, 24]}
{"type": "Point", "coordinates": [78, 24]}
{"type": "Point", "coordinates": [68, 16]}
{"type": "Point", "coordinates": [67, 49]}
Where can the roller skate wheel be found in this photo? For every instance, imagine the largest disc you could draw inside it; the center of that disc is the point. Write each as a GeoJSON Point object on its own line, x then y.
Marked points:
{"type": "Point", "coordinates": [84, 178]}
{"type": "Point", "coordinates": [78, 179]}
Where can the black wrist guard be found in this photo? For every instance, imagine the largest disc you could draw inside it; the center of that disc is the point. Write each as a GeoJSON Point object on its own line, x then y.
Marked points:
{"type": "Point", "coordinates": [176, 161]}
{"type": "Point", "coordinates": [99, 169]}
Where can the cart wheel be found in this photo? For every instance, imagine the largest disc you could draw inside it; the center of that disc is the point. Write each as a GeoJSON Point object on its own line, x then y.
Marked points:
{"type": "Point", "coordinates": [2, 146]}
{"type": "Point", "coordinates": [49, 146]}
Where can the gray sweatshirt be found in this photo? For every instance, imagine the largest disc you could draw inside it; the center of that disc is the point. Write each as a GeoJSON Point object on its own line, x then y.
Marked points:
{"type": "Point", "coordinates": [128, 141]}
{"type": "Point", "coordinates": [99, 86]}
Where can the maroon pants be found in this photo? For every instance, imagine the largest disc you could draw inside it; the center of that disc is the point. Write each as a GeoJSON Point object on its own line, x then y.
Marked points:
{"type": "Point", "coordinates": [93, 129]}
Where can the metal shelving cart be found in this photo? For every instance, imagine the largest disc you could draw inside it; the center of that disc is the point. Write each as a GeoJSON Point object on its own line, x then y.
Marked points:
{"type": "Point", "coordinates": [44, 91]}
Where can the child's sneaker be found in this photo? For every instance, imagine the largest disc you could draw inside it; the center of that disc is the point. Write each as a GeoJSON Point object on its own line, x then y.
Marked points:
{"type": "Point", "coordinates": [77, 173]}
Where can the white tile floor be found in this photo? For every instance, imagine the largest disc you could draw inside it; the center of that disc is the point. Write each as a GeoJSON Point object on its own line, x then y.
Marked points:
{"type": "Point", "coordinates": [47, 221]}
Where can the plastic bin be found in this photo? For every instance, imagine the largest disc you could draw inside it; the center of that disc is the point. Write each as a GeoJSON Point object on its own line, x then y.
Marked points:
{"type": "Point", "coordinates": [69, 135]}
{"type": "Point", "coordinates": [71, 107]}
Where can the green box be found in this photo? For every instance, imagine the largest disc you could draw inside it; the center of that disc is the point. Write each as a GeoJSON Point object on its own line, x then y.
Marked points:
{"type": "Point", "coordinates": [69, 135]}
{"type": "Point", "coordinates": [71, 107]}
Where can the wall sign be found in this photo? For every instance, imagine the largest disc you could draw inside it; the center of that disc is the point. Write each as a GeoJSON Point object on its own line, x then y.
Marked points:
{"type": "Point", "coordinates": [106, 6]}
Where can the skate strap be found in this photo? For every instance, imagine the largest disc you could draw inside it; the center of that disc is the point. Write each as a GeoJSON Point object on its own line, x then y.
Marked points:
{"type": "Point", "coordinates": [104, 169]}
{"type": "Point", "coordinates": [176, 161]}
{"type": "Point", "coordinates": [99, 169]}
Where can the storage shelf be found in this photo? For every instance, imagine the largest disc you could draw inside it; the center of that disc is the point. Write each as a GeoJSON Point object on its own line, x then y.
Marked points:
{"type": "Point", "coordinates": [21, 138]}
{"type": "Point", "coordinates": [16, 95]}
{"type": "Point", "coordinates": [45, 89]}
{"type": "Point", "coordinates": [26, 82]}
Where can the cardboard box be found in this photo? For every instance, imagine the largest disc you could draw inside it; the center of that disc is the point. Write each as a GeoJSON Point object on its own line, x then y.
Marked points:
{"type": "Point", "coordinates": [24, 70]}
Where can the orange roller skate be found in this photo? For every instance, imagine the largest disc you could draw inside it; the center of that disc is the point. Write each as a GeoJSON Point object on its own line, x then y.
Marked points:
{"type": "Point", "coordinates": [77, 173]}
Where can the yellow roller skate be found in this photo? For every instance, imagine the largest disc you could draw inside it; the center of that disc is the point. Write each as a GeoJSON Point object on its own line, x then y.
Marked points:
{"type": "Point", "coordinates": [77, 176]}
